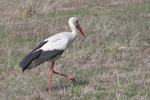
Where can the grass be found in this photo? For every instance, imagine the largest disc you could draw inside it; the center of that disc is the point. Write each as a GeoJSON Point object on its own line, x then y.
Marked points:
{"type": "Point", "coordinates": [112, 62]}
{"type": "Point", "coordinates": [68, 13]}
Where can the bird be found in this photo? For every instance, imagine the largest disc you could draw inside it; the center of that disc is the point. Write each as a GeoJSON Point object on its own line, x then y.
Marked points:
{"type": "Point", "coordinates": [51, 50]}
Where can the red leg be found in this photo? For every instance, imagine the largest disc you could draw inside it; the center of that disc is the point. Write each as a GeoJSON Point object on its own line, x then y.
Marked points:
{"type": "Point", "coordinates": [70, 78]}
{"type": "Point", "coordinates": [51, 72]}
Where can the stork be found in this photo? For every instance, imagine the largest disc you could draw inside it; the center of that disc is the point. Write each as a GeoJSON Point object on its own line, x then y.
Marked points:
{"type": "Point", "coordinates": [51, 50]}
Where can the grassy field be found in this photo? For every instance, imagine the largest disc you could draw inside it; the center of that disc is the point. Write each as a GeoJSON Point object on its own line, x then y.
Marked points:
{"type": "Point", "coordinates": [112, 62]}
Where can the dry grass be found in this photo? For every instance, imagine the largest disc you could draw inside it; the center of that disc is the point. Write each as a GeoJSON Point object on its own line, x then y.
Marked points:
{"type": "Point", "coordinates": [113, 61]}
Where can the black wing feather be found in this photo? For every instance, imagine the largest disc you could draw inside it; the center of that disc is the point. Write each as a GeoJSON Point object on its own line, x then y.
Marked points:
{"type": "Point", "coordinates": [28, 59]}
{"type": "Point", "coordinates": [45, 56]}
{"type": "Point", "coordinates": [40, 45]}
{"type": "Point", "coordinates": [38, 57]}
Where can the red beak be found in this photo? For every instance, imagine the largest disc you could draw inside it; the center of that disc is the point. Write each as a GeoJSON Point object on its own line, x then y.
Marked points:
{"type": "Point", "coordinates": [79, 28]}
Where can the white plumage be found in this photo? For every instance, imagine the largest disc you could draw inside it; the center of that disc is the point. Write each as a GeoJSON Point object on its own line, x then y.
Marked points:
{"type": "Point", "coordinates": [59, 41]}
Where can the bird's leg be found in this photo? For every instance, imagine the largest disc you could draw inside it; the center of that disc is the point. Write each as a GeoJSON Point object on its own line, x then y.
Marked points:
{"type": "Point", "coordinates": [51, 72]}
{"type": "Point", "coordinates": [70, 78]}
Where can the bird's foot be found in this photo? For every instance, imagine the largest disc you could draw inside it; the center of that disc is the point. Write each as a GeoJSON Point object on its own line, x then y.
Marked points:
{"type": "Point", "coordinates": [72, 79]}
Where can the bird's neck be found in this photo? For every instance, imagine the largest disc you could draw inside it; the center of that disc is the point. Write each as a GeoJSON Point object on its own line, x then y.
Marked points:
{"type": "Point", "coordinates": [74, 30]}
{"type": "Point", "coordinates": [74, 33]}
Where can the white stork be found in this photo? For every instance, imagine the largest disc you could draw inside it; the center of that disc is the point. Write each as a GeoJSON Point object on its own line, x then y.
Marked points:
{"type": "Point", "coordinates": [51, 49]}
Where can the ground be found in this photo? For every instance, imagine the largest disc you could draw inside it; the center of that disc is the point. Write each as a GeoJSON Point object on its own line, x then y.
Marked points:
{"type": "Point", "coordinates": [112, 62]}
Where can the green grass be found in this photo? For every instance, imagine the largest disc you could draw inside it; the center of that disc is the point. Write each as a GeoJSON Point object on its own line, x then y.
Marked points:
{"type": "Point", "coordinates": [68, 14]}
{"type": "Point", "coordinates": [106, 63]}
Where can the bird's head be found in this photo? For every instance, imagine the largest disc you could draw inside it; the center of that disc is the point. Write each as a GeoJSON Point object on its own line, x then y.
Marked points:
{"type": "Point", "coordinates": [74, 20]}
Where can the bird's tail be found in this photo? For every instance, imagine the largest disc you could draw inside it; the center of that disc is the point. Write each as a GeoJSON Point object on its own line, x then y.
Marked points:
{"type": "Point", "coordinates": [26, 62]}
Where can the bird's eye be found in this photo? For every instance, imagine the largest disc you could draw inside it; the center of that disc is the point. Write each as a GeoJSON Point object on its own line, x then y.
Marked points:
{"type": "Point", "coordinates": [77, 22]}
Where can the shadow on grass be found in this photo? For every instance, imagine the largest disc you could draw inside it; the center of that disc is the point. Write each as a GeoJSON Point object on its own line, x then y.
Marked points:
{"type": "Point", "coordinates": [79, 83]}
{"type": "Point", "coordinates": [83, 82]}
